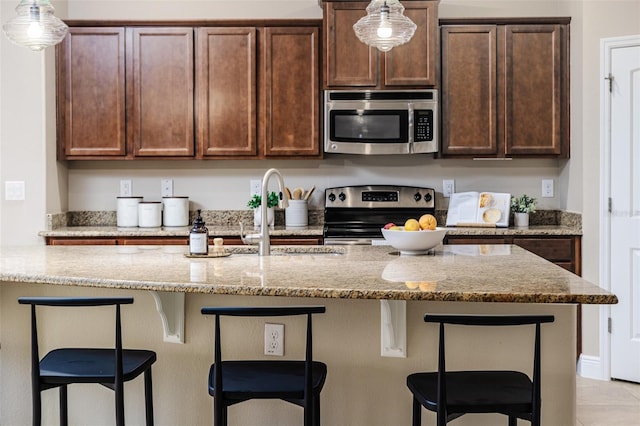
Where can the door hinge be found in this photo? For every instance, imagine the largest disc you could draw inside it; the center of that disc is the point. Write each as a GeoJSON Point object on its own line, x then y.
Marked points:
{"type": "Point", "coordinates": [610, 203]}
{"type": "Point", "coordinates": [609, 325]}
{"type": "Point", "coordinates": [610, 79]}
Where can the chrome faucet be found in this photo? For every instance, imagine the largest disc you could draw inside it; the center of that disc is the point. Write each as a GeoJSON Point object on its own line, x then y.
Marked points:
{"type": "Point", "coordinates": [264, 243]}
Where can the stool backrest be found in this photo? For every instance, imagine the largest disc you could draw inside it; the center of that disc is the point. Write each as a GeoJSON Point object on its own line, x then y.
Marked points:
{"type": "Point", "coordinates": [263, 311]}
{"type": "Point", "coordinates": [488, 320]}
{"type": "Point", "coordinates": [75, 302]}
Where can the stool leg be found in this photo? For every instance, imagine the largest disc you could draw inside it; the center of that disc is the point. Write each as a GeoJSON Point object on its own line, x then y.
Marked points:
{"type": "Point", "coordinates": [416, 413]}
{"type": "Point", "coordinates": [316, 410]}
{"type": "Point", "coordinates": [148, 397]}
{"type": "Point", "coordinates": [36, 408]}
{"type": "Point", "coordinates": [64, 415]}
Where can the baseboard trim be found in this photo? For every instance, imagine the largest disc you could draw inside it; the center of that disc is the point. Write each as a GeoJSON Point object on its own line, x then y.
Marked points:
{"type": "Point", "coordinates": [590, 367]}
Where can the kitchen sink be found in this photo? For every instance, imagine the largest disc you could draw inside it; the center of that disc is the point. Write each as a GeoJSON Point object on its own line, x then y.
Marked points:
{"type": "Point", "coordinates": [289, 250]}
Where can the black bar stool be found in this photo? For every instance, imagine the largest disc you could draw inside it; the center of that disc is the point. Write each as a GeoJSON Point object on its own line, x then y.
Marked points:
{"type": "Point", "coordinates": [109, 367]}
{"type": "Point", "coordinates": [297, 382]}
{"type": "Point", "coordinates": [452, 394]}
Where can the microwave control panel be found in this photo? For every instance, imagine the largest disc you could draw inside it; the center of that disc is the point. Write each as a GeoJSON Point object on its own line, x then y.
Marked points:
{"type": "Point", "coordinates": [423, 125]}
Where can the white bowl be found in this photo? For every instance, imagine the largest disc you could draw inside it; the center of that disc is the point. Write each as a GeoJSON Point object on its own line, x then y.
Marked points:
{"type": "Point", "coordinates": [414, 242]}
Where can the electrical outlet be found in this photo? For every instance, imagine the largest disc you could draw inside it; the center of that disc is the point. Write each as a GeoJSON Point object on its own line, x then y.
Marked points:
{"type": "Point", "coordinates": [274, 339]}
{"type": "Point", "coordinates": [126, 188]}
{"type": "Point", "coordinates": [547, 188]}
{"type": "Point", "coordinates": [256, 187]}
{"type": "Point", "coordinates": [166, 187]}
{"type": "Point", "coordinates": [448, 187]}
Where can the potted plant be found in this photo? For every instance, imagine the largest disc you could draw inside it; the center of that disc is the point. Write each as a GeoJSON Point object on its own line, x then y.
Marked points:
{"type": "Point", "coordinates": [521, 207]}
{"type": "Point", "coordinates": [256, 201]}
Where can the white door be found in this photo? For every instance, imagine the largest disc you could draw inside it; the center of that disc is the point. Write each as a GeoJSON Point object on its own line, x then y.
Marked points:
{"type": "Point", "coordinates": [624, 131]}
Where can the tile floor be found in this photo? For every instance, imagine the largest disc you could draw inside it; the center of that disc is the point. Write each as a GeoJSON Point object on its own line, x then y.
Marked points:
{"type": "Point", "coordinates": [613, 403]}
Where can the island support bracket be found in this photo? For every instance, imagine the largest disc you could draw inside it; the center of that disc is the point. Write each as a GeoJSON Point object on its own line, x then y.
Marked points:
{"type": "Point", "coordinates": [170, 306]}
{"type": "Point", "coordinates": [393, 328]}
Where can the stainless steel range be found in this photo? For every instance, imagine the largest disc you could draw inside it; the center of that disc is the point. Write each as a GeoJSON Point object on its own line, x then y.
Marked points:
{"type": "Point", "coordinates": [356, 214]}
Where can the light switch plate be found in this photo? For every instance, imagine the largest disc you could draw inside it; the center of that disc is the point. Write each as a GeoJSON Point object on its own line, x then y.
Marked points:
{"type": "Point", "coordinates": [14, 190]}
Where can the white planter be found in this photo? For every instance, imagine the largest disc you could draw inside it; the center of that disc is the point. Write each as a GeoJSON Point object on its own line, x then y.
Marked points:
{"type": "Point", "coordinates": [521, 220]}
{"type": "Point", "coordinates": [257, 217]}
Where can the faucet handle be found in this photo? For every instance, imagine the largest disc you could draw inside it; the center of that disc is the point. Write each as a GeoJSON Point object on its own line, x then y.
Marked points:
{"type": "Point", "coordinates": [248, 239]}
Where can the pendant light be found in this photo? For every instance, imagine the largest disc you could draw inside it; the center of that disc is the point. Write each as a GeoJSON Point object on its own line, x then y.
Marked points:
{"type": "Point", "coordinates": [385, 25]}
{"type": "Point", "coordinates": [35, 26]}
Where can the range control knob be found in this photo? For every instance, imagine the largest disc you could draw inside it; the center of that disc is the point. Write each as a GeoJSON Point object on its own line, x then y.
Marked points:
{"type": "Point", "coordinates": [427, 197]}
{"type": "Point", "coordinates": [417, 196]}
{"type": "Point", "coordinates": [342, 196]}
{"type": "Point", "coordinates": [332, 197]}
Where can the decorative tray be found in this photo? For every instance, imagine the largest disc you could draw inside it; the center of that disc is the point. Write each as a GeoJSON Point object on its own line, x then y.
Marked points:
{"type": "Point", "coordinates": [225, 254]}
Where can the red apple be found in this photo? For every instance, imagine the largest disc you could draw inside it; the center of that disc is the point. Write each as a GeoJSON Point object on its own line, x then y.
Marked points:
{"type": "Point", "coordinates": [389, 225]}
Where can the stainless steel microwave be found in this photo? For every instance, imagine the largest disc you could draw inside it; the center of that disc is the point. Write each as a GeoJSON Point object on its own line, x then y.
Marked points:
{"type": "Point", "coordinates": [381, 121]}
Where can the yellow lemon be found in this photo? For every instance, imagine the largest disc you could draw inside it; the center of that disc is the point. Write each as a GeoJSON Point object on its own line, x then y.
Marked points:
{"type": "Point", "coordinates": [428, 222]}
{"type": "Point", "coordinates": [411, 225]}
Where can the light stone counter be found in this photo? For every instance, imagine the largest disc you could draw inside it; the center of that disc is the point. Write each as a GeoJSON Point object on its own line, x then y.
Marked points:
{"type": "Point", "coordinates": [473, 273]}
{"type": "Point", "coordinates": [280, 231]}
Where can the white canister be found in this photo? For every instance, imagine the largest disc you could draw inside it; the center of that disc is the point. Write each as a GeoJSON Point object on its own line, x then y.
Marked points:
{"type": "Point", "coordinates": [127, 211]}
{"type": "Point", "coordinates": [175, 211]}
{"type": "Point", "coordinates": [150, 214]}
{"type": "Point", "coordinates": [297, 213]}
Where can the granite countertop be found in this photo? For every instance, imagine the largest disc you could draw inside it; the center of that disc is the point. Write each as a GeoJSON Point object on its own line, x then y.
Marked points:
{"type": "Point", "coordinates": [315, 231]}
{"type": "Point", "coordinates": [471, 273]}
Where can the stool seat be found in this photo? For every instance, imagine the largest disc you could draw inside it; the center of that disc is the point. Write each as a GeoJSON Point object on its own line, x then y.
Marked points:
{"type": "Point", "coordinates": [452, 394]}
{"type": "Point", "coordinates": [89, 365]}
{"type": "Point", "coordinates": [295, 381]}
{"type": "Point", "coordinates": [475, 391]}
{"type": "Point", "coordinates": [110, 367]}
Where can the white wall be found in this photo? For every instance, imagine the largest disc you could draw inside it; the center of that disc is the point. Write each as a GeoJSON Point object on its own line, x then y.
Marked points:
{"type": "Point", "coordinates": [27, 140]}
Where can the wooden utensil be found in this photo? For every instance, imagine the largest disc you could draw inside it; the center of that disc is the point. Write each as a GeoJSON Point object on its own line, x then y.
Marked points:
{"type": "Point", "coordinates": [297, 193]}
{"type": "Point", "coordinates": [309, 192]}
{"type": "Point", "coordinates": [288, 192]}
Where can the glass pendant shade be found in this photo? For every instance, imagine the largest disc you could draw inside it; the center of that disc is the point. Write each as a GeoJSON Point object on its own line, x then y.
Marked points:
{"type": "Point", "coordinates": [385, 25]}
{"type": "Point", "coordinates": [35, 26]}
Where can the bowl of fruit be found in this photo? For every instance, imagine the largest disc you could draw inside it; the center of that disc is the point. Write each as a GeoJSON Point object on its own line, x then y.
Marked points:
{"type": "Point", "coordinates": [417, 236]}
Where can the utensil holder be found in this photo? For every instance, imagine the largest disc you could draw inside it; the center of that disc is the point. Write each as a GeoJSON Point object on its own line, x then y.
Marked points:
{"type": "Point", "coordinates": [297, 213]}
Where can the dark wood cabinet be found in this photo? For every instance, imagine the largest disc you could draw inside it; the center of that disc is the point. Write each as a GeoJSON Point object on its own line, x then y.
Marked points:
{"type": "Point", "coordinates": [290, 89]}
{"type": "Point", "coordinates": [204, 90]}
{"type": "Point", "coordinates": [159, 240]}
{"type": "Point", "coordinates": [160, 91]}
{"type": "Point", "coordinates": [226, 91]}
{"type": "Point", "coordinates": [91, 110]}
{"type": "Point", "coordinates": [351, 63]}
{"type": "Point", "coordinates": [125, 93]}
{"type": "Point", "coordinates": [505, 88]}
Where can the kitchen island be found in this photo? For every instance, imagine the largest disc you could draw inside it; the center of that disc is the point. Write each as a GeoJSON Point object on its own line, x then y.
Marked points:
{"type": "Point", "coordinates": [348, 280]}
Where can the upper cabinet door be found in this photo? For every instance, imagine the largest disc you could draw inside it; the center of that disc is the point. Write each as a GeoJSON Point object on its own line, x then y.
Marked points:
{"type": "Point", "coordinates": [348, 61]}
{"type": "Point", "coordinates": [160, 85]}
{"type": "Point", "coordinates": [469, 91]}
{"type": "Point", "coordinates": [226, 91]}
{"type": "Point", "coordinates": [505, 88]}
{"type": "Point", "coordinates": [351, 63]}
{"type": "Point", "coordinates": [415, 63]}
{"type": "Point", "coordinates": [91, 93]}
{"type": "Point", "coordinates": [534, 89]}
{"type": "Point", "coordinates": [290, 102]}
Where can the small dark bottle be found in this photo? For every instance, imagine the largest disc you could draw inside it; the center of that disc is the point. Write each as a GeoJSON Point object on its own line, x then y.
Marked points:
{"type": "Point", "coordinates": [199, 237]}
